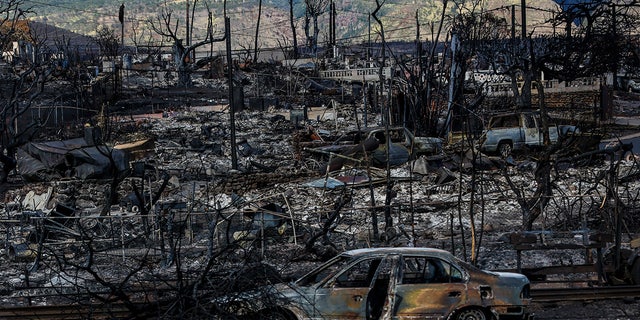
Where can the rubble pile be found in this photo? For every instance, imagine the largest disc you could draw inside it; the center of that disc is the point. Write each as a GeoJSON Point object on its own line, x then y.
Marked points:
{"type": "Point", "coordinates": [182, 209]}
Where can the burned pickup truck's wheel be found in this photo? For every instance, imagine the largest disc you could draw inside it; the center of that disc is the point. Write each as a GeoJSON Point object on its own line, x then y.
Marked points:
{"type": "Point", "coordinates": [471, 314]}
{"type": "Point", "coordinates": [505, 149]}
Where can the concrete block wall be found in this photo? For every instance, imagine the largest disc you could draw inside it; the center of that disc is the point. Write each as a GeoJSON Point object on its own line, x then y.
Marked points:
{"type": "Point", "coordinates": [239, 183]}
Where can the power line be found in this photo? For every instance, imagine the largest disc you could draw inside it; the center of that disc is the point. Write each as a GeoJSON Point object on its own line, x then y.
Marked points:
{"type": "Point", "coordinates": [96, 11]}
{"type": "Point", "coordinates": [75, 9]}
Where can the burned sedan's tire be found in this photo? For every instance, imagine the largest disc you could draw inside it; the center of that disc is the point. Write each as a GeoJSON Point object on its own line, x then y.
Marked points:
{"type": "Point", "coordinates": [470, 314]}
{"type": "Point", "coordinates": [276, 315]}
{"type": "Point", "coordinates": [635, 271]}
{"type": "Point", "coordinates": [505, 149]}
{"type": "Point", "coordinates": [626, 273]}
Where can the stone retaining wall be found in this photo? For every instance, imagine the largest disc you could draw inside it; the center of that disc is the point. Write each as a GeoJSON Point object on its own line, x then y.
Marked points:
{"type": "Point", "coordinates": [239, 183]}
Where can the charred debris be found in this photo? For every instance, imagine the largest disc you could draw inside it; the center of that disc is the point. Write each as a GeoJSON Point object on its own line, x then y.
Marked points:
{"type": "Point", "coordinates": [142, 203]}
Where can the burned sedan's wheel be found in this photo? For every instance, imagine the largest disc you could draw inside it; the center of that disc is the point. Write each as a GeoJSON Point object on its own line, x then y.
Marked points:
{"type": "Point", "coordinates": [505, 149]}
{"type": "Point", "coordinates": [275, 315]}
{"type": "Point", "coordinates": [624, 274]}
{"type": "Point", "coordinates": [471, 314]}
{"type": "Point", "coordinates": [635, 271]}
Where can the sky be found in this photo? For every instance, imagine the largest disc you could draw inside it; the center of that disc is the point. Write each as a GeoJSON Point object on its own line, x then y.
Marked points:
{"type": "Point", "coordinates": [565, 4]}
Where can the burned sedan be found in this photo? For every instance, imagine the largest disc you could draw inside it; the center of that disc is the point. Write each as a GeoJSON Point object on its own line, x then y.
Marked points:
{"type": "Point", "coordinates": [392, 283]}
{"type": "Point", "coordinates": [403, 145]}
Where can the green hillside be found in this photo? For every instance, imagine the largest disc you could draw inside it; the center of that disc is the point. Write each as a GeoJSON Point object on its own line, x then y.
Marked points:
{"type": "Point", "coordinates": [352, 19]}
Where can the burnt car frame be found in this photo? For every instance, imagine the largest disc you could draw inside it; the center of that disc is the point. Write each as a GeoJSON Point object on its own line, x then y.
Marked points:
{"type": "Point", "coordinates": [403, 146]}
{"type": "Point", "coordinates": [392, 283]}
{"type": "Point", "coordinates": [516, 131]}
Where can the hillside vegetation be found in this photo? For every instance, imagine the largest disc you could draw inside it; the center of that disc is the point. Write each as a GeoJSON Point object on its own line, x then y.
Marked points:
{"type": "Point", "coordinates": [399, 17]}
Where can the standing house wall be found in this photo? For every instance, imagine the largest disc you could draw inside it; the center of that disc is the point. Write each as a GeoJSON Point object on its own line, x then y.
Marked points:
{"type": "Point", "coordinates": [584, 96]}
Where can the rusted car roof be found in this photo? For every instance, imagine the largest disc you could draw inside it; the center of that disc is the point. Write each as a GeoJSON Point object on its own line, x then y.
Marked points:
{"type": "Point", "coordinates": [397, 250]}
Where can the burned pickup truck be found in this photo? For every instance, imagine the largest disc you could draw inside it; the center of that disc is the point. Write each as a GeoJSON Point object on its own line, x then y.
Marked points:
{"type": "Point", "coordinates": [517, 131]}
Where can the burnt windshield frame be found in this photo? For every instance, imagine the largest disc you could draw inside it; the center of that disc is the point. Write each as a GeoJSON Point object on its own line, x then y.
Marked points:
{"type": "Point", "coordinates": [324, 272]}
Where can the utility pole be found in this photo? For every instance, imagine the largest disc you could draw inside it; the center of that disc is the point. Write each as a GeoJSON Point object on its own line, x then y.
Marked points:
{"type": "Point", "coordinates": [119, 74]}
{"type": "Point", "coordinates": [232, 111]}
{"type": "Point", "coordinates": [188, 34]}
{"type": "Point", "coordinates": [255, 39]}
{"type": "Point", "coordinates": [332, 28]}
{"type": "Point", "coordinates": [333, 23]}
{"type": "Point", "coordinates": [525, 95]}
{"type": "Point", "coordinates": [523, 5]}
{"type": "Point", "coordinates": [188, 40]}
{"type": "Point", "coordinates": [210, 33]}
{"type": "Point", "coordinates": [121, 18]}
{"type": "Point", "coordinates": [513, 22]}
{"type": "Point", "coordinates": [420, 68]}
{"type": "Point", "coordinates": [453, 75]}
{"type": "Point", "coordinates": [369, 40]}
{"type": "Point", "coordinates": [616, 51]}
{"type": "Point", "coordinates": [418, 44]}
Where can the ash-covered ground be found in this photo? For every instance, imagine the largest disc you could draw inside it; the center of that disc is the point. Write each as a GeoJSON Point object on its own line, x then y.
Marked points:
{"type": "Point", "coordinates": [184, 215]}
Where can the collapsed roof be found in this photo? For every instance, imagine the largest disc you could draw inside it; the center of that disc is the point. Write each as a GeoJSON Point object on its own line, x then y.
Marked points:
{"type": "Point", "coordinates": [74, 158]}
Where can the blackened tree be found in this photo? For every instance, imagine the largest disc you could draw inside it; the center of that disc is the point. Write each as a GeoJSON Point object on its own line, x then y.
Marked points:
{"type": "Point", "coordinates": [166, 25]}
{"type": "Point", "coordinates": [23, 85]}
{"type": "Point", "coordinates": [293, 31]}
{"type": "Point", "coordinates": [315, 8]}
{"type": "Point", "coordinates": [108, 41]}
{"type": "Point", "coordinates": [597, 39]}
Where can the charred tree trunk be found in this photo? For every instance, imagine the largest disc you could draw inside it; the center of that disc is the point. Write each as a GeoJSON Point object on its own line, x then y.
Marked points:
{"type": "Point", "coordinates": [388, 220]}
{"type": "Point", "coordinates": [293, 30]}
{"type": "Point", "coordinates": [184, 76]}
{"type": "Point", "coordinates": [255, 43]}
{"type": "Point", "coordinates": [329, 223]}
{"type": "Point", "coordinates": [181, 59]}
{"type": "Point", "coordinates": [184, 58]}
{"type": "Point", "coordinates": [543, 170]}
{"type": "Point", "coordinates": [534, 206]}
{"type": "Point", "coordinates": [307, 30]}
{"type": "Point", "coordinates": [316, 31]}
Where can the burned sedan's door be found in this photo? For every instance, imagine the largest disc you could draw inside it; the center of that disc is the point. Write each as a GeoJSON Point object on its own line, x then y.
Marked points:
{"type": "Point", "coordinates": [352, 292]}
{"type": "Point", "coordinates": [429, 288]}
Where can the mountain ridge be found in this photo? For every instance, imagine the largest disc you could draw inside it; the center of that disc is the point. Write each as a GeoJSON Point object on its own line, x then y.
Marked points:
{"type": "Point", "coordinates": [352, 18]}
